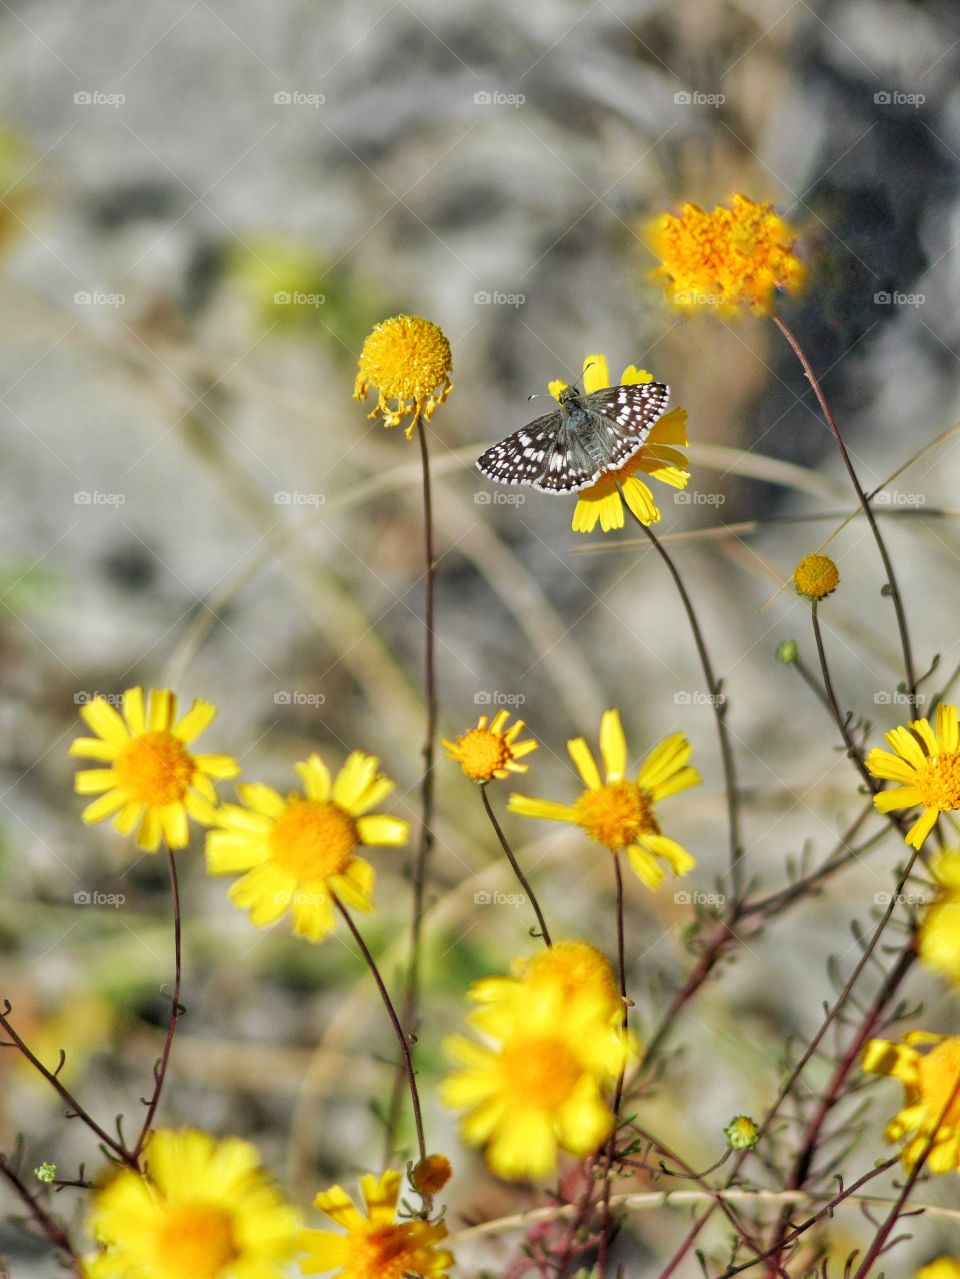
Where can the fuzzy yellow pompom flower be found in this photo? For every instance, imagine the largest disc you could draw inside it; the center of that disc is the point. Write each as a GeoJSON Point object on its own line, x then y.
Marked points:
{"type": "Point", "coordinates": [617, 812]}
{"type": "Point", "coordinates": [487, 752]}
{"type": "Point", "coordinates": [740, 255]}
{"type": "Point", "coordinates": [408, 360]}
{"type": "Point", "coordinates": [938, 939]}
{"type": "Point", "coordinates": [928, 1066]}
{"type": "Point", "coordinates": [926, 763]}
{"type": "Point", "coordinates": [537, 1087]}
{"type": "Point", "coordinates": [151, 781]}
{"type": "Point", "coordinates": [205, 1209]}
{"type": "Point", "coordinates": [660, 457]}
{"type": "Point", "coordinates": [376, 1245]}
{"type": "Point", "coordinates": [297, 850]}
{"type": "Point", "coordinates": [816, 577]}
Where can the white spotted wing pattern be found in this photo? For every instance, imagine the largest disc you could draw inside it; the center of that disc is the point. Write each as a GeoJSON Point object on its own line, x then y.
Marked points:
{"type": "Point", "coordinates": [585, 437]}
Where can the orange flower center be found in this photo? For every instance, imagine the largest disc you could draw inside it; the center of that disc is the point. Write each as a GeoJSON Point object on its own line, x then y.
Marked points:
{"type": "Point", "coordinates": [483, 754]}
{"type": "Point", "coordinates": [380, 1252]}
{"type": "Point", "coordinates": [938, 781]}
{"type": "Point", "coordinates": [155, 769]}
{"type": "Point", "coordinates": [195, 1239]}
{"type": "Point", "coordinates": [938, 1074]}
{"type": "Point", "coordinates": [313, 839]}
{"type": "Point", "coordinates": [616, 814]}
{"type": "Point", "coordinates": [539, 1070]}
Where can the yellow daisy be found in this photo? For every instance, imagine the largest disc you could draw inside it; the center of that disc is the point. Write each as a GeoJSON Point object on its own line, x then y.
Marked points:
{"type": "Point", "coordinates": [376, 1245]}
{"type": "Point", "coordinates": [486, 752]}
{"type": "Point", "coordinates": [617, 812]}
{"type": "Point", "coordinates": [204, 1209]}
{"type": "Point", "coordinates": [297, 850]}
{"type": "Point", "coordinates": [928, 1066]}
{"type": "Point", "coordinates": [660, 457]}
{"type": "Point", "coordinates": [538, 1086]}
{"type": "Point", "coordinates": [408, 360]}
{"type": "Point", "coordinates": [740, 255]}
{"type": "Point", "coordinates": [938, 939]}
{"type": "Point", "coordinates": [152, 781]}
{"type": "Point", "coordinates": [926, 764]}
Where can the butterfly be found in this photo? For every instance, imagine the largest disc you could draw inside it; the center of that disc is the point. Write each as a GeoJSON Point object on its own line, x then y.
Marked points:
{"type": "Point", "coordinates": [586, 437]}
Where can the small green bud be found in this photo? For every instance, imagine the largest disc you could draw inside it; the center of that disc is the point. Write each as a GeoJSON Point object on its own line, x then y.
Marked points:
{"type": "Point", "coordinates": [787, 652]}
{"type": "Point", "coordinates": [741, 1133]}
{"type": "Point", "coordinates": [47, 1172]}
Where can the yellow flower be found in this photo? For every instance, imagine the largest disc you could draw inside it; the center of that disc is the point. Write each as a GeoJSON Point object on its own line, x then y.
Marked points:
{"type": "Point", "coordinates": [297, 850]}
{"type": "Point", "coordinates": [408, 360]}
{"type": "Point", "coordinates": [617, 812]}
{"type": "Point", "coordinates": [659, 457]}
{"type": "Point", "coordinates": [938, 940]}
{"type": "Point", "coordinates": [928, 1066]}
{"type": "Point", "coordinates": [205, 1209]}
{"type": "Point", "coordinates": [572, 968]}
{"type": "Point", "coordinates": [942, 1268]}
{"type": "Point", "coordinates": [376, 1246]}
{"type": "Point", "coordinates": [537, 1087]}
{"type": "Point", "coordinates": [152, 781]}
{"type": "Point", "coordinates": [927, 766]}
{"type": "Point", "coordinates": [488, 752]}
{"type": "Point", "coordinates": [740, 255]}
{"type": "Point", "coordinates": [816, 577]}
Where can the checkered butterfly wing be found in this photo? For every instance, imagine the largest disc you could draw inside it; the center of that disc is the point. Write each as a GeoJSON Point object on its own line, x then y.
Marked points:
{"type": "Point", "coordinates": [569, 449]}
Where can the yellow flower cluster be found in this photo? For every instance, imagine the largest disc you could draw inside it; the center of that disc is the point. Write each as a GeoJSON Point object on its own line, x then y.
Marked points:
{"type": "Point", "coordinates": [296, 852]}
{"type": "Point", "coordinates": [737, 256]}
{"type": "Point", "coordinates": [553, 1044]}
{"type": "Point", "coordinates": [205, 1209]}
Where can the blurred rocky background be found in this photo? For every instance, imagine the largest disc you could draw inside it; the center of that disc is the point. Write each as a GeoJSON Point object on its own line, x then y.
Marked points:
{"type": "Point", "coordinates": [204, 209]}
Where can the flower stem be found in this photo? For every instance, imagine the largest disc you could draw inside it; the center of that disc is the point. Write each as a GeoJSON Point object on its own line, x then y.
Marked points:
{"type": "Point", "coordinates": [719, 710]}
{"type": "Point", "coordinates": [160, 1072]}
{"type": "Point", "coordinates": [853, 750]}
{"type": "Point", "coordinates": [44, 1220]}
{"type": "Point", "coordinates": [877, 1247]}
{"type": "Point", "coordinates": [911, 679]}
{"type": "Point", "coordinates": [605, 1222]}
{"type": "Point", "coordinates": [786, 1088]}
{"type": "Point", "coordinates": [511, 858]}
{"type": "Point", "coordinates": [74, 1109]}
{"type": "Point", "coordinates": [407, 1065]}
{"type": "Point", "coordinates": [411, 994]}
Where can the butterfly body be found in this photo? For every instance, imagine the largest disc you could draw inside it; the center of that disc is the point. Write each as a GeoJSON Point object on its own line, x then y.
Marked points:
{"type": "Point", "coordinates": [585, 437]}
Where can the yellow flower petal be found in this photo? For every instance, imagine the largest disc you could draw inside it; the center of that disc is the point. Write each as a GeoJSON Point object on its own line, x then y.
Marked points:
{"type": "Point", "coordinates": [527, 806]}
{"type": "Point", "coordinates": [613, 746]}
{"type": "Point", "coordinates": [585, 764]}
